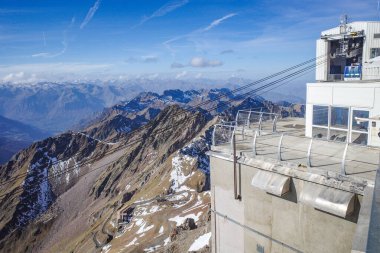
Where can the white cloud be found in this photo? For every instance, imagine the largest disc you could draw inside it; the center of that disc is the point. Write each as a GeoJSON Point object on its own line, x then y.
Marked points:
{"type": "Point", "coordinates": [30, 73]}
{"type": "Point", "coordinates": [165, 9]}
{"type": "Point", "coordinates": [64, 42]}
{"type": "Point", "coordinates": [19, 77]}
{"type": "Point", "coordinates": [197, 32]}
{"type": "Point", "coordinates": [181, 74]}
{"type": "Point", "coordinates": [200, 62]}
{"type": "Point", "coordinates": [90, 14]}
{"type": "Point", "coordinates": [218, 21]}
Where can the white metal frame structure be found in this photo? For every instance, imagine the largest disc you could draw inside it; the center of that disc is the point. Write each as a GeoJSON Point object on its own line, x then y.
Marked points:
{"type": "Point", "coordinates": [351, 122]}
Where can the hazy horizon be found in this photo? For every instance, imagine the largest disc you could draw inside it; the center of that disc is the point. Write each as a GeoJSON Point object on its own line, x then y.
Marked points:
{"type": "Point", "coordinates": [181, 39]}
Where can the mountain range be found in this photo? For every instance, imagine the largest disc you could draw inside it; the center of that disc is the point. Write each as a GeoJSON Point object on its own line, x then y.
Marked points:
{"type": "Point", "coordinates": [134, 179]}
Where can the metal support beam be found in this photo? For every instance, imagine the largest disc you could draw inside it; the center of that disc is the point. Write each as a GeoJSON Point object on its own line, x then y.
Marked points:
{"type": "Point", "coordinates": [249, 119]}
{"type": "Point", "coordinates": [274, 126]}
{"type": "Point", "coordinates": [309, 154]}
{"type": "Point", "coordinates": [233, 140]}
{"type": "Point", "coordinates": [279, 148]}
{"type": "Point", "coordinates": [236, 195]}
{"type": "Point", "coordinates": [236, 118]}
{"type": "Point", "coordinates": [343, 166]}
{"type": "Point", "coordinates": [254, 144]}
{"type": "Point", "coordinates": [213, 135]}
{"type": "Point", "coordinates": [260, 121]}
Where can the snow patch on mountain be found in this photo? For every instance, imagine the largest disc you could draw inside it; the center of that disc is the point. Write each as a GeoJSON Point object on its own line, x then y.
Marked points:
{"type": "Point", "coordinates": [200, 242]}
{"type": "Point", "coordinates": [37, 195]}
{"type": "Point", "coordinates": [186, 158]}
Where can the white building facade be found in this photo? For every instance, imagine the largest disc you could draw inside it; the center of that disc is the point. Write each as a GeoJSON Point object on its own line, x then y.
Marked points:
{"type": "Point", "coordinates": [344, 103]}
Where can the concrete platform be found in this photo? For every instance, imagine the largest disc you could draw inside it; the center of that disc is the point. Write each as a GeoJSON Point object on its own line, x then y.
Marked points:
{"type": "Point", "coordinates": [360, 161]}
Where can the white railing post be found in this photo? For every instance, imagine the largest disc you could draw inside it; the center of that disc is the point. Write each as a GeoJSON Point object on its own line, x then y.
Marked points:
{"type": "Point", "coordinates": [309, 154]}
{"type": "Point", "coordinates": [260, 121]}
{"type": "Point", "coordinates": [233, 139]}
{"type": "Point", "coordinates": [213, 135]}
{"type": "Point", "coordinates": [236, 118]}
{"type": "Point", "coordinates": [274, 126]}
{"type": "Point", "coordinates": [279, 148]}
{"type": "Point", "coordinates": [343, 166]}
{"type": "Point", "coordinates": [249, 119]}
{"type": "Point", "coordinates": [254, 144]}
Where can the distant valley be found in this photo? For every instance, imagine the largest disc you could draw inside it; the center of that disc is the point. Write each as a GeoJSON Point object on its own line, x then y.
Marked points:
{"type": "Point", "coordinates": [15, 136]}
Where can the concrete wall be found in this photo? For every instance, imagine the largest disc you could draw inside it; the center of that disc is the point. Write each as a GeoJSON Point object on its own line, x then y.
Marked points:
{"type": "Point", "coordinates": [274, 224]}
{"type": "Point", "coordinates": [322, 70]}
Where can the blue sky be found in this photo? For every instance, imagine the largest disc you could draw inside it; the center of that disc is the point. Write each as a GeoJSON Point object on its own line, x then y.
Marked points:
{"type": "Point", "coordinates": [122, 39]}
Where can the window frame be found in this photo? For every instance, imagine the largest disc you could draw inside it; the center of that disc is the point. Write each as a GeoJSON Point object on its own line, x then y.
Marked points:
{"type": "Point", "coordinates": [349, 130]}
{"type": "Point", "coordinates": [374, 52]}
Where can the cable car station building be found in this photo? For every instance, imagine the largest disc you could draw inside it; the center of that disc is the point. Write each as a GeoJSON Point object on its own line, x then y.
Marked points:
{"type": "Point", "coordinates": [287, 184]}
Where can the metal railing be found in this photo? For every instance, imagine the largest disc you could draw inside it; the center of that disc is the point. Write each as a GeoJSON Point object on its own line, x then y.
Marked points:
{"type": "Point", "coordinates": [246, 122]}
{"type": "Point", "coordinates": [252, 130]}
{"type": "Point", "coordinates": [251, 118]}
{"type": "Point", "coordinates": [342, 151]}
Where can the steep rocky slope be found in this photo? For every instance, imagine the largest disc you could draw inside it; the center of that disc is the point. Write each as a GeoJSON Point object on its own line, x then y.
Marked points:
{"type": "Point", "coordinates": [140, 191]}
{"type": "Point", "coordinates": [53, 206]}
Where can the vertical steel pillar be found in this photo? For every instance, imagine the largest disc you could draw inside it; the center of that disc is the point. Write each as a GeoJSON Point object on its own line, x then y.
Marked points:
{"type": "Point", "coordinates": [343, 166]}
{"type": "Point", "coordinates": [309, 154]}
{"type": "Point", "coordinates": [254, 144]}
{"type": "Point", "coordinates": [279, 148]}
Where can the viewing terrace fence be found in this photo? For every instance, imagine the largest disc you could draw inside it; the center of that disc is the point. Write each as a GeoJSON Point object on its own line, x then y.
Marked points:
{"type": "Point", "coordinates": [255, 134]}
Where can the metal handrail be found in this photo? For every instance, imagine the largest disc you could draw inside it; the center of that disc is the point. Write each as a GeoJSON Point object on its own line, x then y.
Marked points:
{"type": "Point", "coordinates": [309, 153]}
{"type": "Point", "coordinates": [259, 112]}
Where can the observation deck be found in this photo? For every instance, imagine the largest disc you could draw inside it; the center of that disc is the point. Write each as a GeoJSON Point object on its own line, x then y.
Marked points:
{"type": "Point", "coordinates": [278, 190]}
{"type": "Point", "coordinates": [269, 136]}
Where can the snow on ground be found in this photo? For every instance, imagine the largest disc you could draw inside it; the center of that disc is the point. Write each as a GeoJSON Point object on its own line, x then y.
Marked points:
{"type": "Point", "coordinates": [132, 243]}
{"type": "Point", "coordinates": [177, 176]}
{"type": "Point", "coordinates": [38, 191]}
{"type": "Point", "coordinates": [152, 249]}
{"type": "Point", "coordinates": [200, 242]}
{"type": "Point", "coordinates": [194, 153]}
{"type": "Point", "coordinates": [59, 169]}
{"type": "Point", "coordinates": [161, 230]}
{"type": "Point", "coordinates": [144, 229]}
{"type": "Point", "coordinates": [179, 220]}
{"type": "Point", "coordinates": [166, 241]}
{"type": "Point", "coordinates": [146, 210]}
{"type": "Point", "coordinates": [106, 248]}
{"type": "Point", "coordinates": [196, 205]}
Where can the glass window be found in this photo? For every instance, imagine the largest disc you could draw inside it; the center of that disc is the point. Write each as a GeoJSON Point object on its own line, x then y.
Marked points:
{"type": "Point", "coordinates": [375, 52]}
{"type": "Point", "coordinates": [338, 135]}
{"type": "Point", "coordinates": [339, 117]}
{"type": "Point", "coordinates": [319, 133]}
{"type": "Point", "coordinates": [359, 138]}
{"type": "Point", "coordinates": [376, 36]}
{"type": "Point", "coordinates": [320, 115]}
{"type": "Point", "coordinates": [360, 126]}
